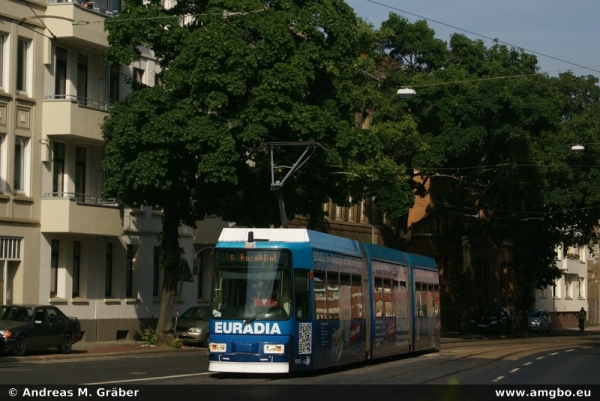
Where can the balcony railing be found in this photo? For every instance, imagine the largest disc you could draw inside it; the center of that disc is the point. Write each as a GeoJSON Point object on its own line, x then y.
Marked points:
{"type": "Point", "coordinates": [82, 198]}
{"type": "Point", "coordinates": [82, 101]}
{"type": "Point", "coordinates": [107, 8]}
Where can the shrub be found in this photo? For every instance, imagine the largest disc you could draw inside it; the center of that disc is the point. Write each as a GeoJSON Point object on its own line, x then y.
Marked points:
{"type": "Point", "coordinates": [149, 336]}
{"type": "Point", "coordinates": [176, 343]}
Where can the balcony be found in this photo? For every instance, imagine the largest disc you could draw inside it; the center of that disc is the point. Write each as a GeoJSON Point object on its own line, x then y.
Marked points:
{"type": "Point", "coordinates": [78, 22]}
{"type": "Point", "coordinates": [71, 213]}
{"type": "Point", "coordinates": [80, 118]}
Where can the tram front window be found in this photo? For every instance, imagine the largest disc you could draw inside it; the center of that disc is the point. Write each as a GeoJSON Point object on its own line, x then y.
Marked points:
{"type": "Point", "coordinates": [252, 284]}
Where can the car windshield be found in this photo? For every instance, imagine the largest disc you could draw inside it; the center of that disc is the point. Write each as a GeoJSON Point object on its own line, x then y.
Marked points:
{"type": "Point", "coordinates": [196, 313]}
{"type": "Point", "coordinates": [15, 313]}
{"type": "Point", "coordinates": [486, 312]}
{"type": "Point", "coordinates": [535, 313]}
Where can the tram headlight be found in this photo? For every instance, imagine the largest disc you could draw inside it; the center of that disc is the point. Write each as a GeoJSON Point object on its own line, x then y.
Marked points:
{"type": "Point", "coordinates": [218, 347]}
{"type": "Point", "coordinates": [274, 349]}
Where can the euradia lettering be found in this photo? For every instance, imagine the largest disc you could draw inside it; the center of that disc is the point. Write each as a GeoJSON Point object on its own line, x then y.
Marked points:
{"type": "Point", "coordinates": [240, 328]}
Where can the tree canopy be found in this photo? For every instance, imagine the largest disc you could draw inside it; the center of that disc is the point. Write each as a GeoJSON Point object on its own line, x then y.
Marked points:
{"type": "Point", "coordinates": [488, 136]}
{"type": "Point", "coordinates": [236, 74]}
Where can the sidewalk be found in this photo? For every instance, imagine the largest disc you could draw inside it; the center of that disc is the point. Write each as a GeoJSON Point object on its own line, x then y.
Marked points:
{"type": "Point", "coordinates": [97, 350]}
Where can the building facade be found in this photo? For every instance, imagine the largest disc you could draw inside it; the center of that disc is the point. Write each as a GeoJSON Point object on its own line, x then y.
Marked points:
{"type": "Point", "coordinates": [60, 242]}
{"type": "Point", "coordinates": [570, 292]}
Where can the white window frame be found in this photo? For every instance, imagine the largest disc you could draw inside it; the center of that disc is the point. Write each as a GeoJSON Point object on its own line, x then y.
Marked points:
{"type": "Point", "coordinates": [3, 159]}
{"type": "Point", "coordinates": [24, 167]}
{"type": "Point", "coordinates": [3, 60]}
{"type": "Point", "coordinates": [28, 65]}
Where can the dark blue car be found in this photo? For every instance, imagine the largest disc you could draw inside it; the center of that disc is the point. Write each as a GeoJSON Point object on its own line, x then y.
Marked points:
{"type": "Point", "coordinates": [492, 320]}
{"type": "Point", "coordinates": [25, 327]}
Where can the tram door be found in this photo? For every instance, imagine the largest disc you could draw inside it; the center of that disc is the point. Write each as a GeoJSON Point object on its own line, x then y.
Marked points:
{"type": "Point", "coordinates": [302, 356]}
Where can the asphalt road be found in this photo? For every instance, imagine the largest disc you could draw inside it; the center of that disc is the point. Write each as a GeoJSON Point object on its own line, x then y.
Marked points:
{"type": "Point", "coordinates": [546, 359]}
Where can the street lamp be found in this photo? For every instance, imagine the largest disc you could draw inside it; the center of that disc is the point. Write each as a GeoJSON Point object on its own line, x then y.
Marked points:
{"type": "Point", "coordinates": [406, 93]}
{"type": "Point", "coordinates": [577, 147]}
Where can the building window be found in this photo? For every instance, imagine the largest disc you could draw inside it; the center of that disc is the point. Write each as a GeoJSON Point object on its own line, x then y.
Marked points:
{"type": "Point", "coordinates": [2, 167]}
{"type": "Point", "coordinates": [129, 271]}
{"type": "Point", "coordinates": [60, 76]}
{"type": "Point", "coordinates": [2, 39]}
{"type": "Point", "coordinates": [22, 65]}
{"type": "Point", "coordinates": [20, 167]}
{"type": "Point", "coordinates": [156, 267]}
{"type": "Point", "coordinates": [76, 267]}
{"type": "Point", "coordinates": [138, 75]}
{"type": "Point", "coordinates": [58, 167]}
{"type": "Point", "coordinates": [200, 281]}
{"type": "Point", "coordinates": [114, 84]}
{"type": "Point", "coordinates": [54, 268]}
{"type": "Point", "coordinates": [80, 160]}
{"type": "Point", "coordinates": [581, 292]}
{"type": "Point", "coordinates": [82, 78]}
{"type": "Point", "coordinates": [108, 271]}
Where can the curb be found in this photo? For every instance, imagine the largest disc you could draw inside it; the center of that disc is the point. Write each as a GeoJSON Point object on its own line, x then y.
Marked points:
{"type": "Point", "coordinates": [99, 352]}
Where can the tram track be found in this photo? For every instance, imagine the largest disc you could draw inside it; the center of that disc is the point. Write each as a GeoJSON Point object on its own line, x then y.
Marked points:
{"type": "Point", "coordinates": [523, 349]}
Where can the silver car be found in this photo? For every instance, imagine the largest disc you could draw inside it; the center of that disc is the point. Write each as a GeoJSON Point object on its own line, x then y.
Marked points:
{"type": "Point", "coordinates": [192, 325]}
{"type": "Point", "coordinates": [538, 321]}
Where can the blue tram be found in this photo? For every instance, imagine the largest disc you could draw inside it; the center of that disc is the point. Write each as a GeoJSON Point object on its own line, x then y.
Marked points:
{"type": "Point", "coordinates": [294, 299]}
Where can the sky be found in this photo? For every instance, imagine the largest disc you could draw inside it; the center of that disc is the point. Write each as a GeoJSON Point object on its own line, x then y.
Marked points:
{"type": "Point", "coordinates": [564, 35]}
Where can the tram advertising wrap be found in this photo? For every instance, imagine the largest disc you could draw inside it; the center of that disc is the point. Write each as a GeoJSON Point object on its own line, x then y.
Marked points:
{"type": "Point", "coordinates": [294, 299]}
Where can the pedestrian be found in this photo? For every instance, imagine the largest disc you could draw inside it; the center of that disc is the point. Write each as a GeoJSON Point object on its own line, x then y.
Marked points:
{"type": "Point", "coordinates": [581, 315]}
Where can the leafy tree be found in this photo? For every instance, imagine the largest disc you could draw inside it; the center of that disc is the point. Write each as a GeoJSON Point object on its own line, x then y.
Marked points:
{"type": "Point", "coordinates": [235, 74]}
{"type": "Point", "coordinates": [493, 142]}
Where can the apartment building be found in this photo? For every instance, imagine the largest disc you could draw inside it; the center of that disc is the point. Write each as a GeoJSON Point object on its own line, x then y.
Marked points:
{"type": "Point", "coordinates": [60, 242]}
{"type": "Point", "coordinates": [570, 292]}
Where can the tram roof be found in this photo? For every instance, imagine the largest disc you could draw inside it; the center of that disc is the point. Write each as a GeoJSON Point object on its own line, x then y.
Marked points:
{"type": "Point", "coordinates": [317, 240]}
{"type": "Point", "coordinates": [423, 262]}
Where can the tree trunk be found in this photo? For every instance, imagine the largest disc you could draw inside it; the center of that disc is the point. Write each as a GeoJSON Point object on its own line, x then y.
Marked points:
{"type": "Point", "coordinates": [170, 263]}
{"type": "Point", "coordinates": [468, 286]}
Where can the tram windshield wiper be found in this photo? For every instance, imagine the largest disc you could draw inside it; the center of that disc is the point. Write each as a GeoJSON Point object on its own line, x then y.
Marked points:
{"type": "Point", "coordinates": [260, 312]}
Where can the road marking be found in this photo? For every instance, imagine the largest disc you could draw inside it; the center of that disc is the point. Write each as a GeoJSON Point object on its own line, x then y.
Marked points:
{"type": "Point", "coordinates": [586, 347]}
{"type": "Point", "coordinates": [149, 378]}
{"type": "Point", "coordinates": [541, 357]}
{"type": "Point", "coordinates": [556, 353]}
{"type": "Point", "coordinates": [514, 370]}
{"type": "Point", "coordinates": [528, 363]}
{"type": "Point", "coordinates": [569, 350]}
{"type": "Point", "coordinates": [497, 379]}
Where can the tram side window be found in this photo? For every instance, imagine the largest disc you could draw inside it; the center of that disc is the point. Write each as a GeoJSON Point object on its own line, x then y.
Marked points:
{"type": "Point", "coordinates": [387, 297]}
{"type": "Point", "coordinates": [320, 296]}
{"type": "Point", "coordinates": [425, 300]}
{"type": "Point", "coordinates": [333, 296]}
{"type": "Point", "coordinates": [345, 297]}
{"type": "Point", "coordinates": [379, 305]}
{"type": "Point", "coordinates": [418, 300]}
{"type": "Point", "coordinates": [302, 295]}
{"type": "Point", "coordinates": [400, 299]}
{"type": "Point", "coordinates": [357, 301]}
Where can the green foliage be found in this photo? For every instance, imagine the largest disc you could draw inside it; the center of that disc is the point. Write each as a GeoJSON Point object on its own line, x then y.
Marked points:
{"type": "Point", "coordinates": [176, 343]}
{"type": "Point", "coordinates": [149, 336]}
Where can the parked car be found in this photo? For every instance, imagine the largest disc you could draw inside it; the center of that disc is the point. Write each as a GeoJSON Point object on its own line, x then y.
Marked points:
{"type": "Point", "coordinates": [192, 325]}
{"type": "Point", "coordinates": [538, 320]}
{"type": "Point", "coordinates": [492, 320]}
{"type": "Point", "coordinates": [25, 327]}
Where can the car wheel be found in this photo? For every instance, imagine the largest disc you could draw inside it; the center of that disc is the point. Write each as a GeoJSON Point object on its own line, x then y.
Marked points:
{"type": "Point", "coordinates": [205, 343]}
{"type": "Point", "coordinates": [66, 345]}
{"type": "Point", "coordinates": [549, 328]}
{"type": "Point", "coordinates": [20, 346]}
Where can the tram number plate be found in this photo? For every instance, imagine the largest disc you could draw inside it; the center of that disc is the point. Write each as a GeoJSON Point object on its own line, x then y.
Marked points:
{"type": "Point", "coordinates": [182, 333]}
